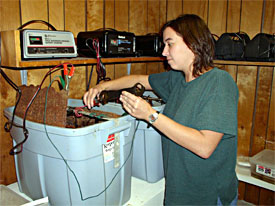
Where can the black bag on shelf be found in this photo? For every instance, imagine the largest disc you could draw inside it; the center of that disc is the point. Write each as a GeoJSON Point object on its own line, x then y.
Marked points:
{"type": "Point", "coordinates": [215, 38]}
{"type": "Point", "coordinates": [230, 46]}
{"type": "Point", "coordinates": [261, 48]}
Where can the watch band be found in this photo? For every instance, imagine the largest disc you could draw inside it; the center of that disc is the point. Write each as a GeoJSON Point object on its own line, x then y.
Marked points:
{"type": "Point", "coordinates": [153, 117]}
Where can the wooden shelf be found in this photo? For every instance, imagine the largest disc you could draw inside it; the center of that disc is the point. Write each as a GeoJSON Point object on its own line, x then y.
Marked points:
{"type": "Point", "coordinates": [244, 63]}
{"type": "Point", "coordinates": [11, 57]}
{"type": "Point", "coordinates": [81, 61]}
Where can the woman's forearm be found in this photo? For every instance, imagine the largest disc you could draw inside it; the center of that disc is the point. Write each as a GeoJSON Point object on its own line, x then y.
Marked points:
{"type": "Point", "coordinates": [127, 81]}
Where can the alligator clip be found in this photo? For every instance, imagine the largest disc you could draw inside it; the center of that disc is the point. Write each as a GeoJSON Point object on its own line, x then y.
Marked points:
{"type": "Point", "coordinates": [65, 72]}
{"type": "Point", "coordinates": [96, 103]}
{"type": "Point", "coordinates": [68, 77]}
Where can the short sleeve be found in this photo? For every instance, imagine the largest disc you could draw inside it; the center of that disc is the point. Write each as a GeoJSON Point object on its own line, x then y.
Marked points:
{"type": "Point", "coordinates": [218, 111]}
{"type": "Point", "coordinates": [163, 83]}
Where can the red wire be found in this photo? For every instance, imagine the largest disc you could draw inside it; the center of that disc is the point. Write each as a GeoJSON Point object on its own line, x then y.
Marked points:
{"type": "Point", "coordinates": [30, 102]}
{"type": "Point", "coordinates": [96, 47]}
{"type": "Point", "coordinates": [77, 109]}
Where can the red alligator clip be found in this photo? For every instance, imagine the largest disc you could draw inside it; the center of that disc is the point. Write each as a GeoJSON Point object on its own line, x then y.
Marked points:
{"type": "Point", "coordinates": [65, 67]}
{"type": "Point", "coordinates": [71, 71]}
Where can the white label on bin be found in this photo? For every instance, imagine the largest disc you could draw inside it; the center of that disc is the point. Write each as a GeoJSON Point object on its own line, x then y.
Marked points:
{"type": "Point", "coordinates": [265, 171]}
{"type": "Point", "coordinates": [108, 149]}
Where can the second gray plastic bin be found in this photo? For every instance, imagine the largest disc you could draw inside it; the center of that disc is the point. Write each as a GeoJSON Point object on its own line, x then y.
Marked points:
{"type": "Point", "coordinates": [147, 152]}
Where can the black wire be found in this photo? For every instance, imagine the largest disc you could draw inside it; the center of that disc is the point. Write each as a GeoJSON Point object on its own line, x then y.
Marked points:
{"type": "Point", "coordinates": [106, 29]}
{"type": "Point", "coordinates": [9, 80]}
{"type": "Point", "coordinates": [13, 151]}
{"type": "Point", "coordinates": [8, 125]}
{"type": "Point", "coordinates": [68, 166]}
{"type": "Point", "coordinates": [90, 78]}
{"type": "Point", "coordinates": [37, 21]}
{"type": "Point", "coordinates": [25, 131]}
{"type": "Point", "coordinates": [87, 44]}
{"type": "Point", "coordinates": [101, 74]}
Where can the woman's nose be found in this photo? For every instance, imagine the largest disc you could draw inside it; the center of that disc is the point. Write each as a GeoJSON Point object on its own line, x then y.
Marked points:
{"type": "Point", "coordinates": [165, 51]}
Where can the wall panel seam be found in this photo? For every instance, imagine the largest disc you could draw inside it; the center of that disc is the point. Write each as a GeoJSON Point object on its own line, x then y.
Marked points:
{"type": "Point", "coordinates": [254, 111]}
{"type": "Point", "coordinates": [269, 107]}
{"type": "Point", "coordinates": [263, 15]}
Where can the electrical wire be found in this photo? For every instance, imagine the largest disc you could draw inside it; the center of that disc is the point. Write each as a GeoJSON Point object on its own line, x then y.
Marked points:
{"type": "Point", "coordinates": [37, 21]}
{"type": "Point", "coordinates": [90, 78]}
{"type": "Point", "coordinates": [9, 124]}
{"type": "Point", "coordinates": [100, 68]}
{"type": "Point", "coordinates": [68, 166]}
{"type": "Point", "coordinates": [14, 150]}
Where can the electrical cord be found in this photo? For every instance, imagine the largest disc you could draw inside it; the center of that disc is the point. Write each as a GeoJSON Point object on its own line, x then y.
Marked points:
{"type": "Point", "coordinates": [37, 21]}
{"type": "Point", "coordinates": [68, 166]}
{"type": "Point", "coordinates": [106, 29]}
{"type": "Point", "coordinates": [14, 149]}
{"type": "Point", "coordinates": [90, 78]}
{"type": "Point", "coordinates": [100, 68]}
{"type": "Point", "coordinates": [9, 124]}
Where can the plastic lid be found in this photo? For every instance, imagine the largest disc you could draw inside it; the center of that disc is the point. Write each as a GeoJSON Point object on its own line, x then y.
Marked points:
{"type": "Point", "coordinates": [243, 161]}
{"type": "Point", "coordinates": [265, 158]}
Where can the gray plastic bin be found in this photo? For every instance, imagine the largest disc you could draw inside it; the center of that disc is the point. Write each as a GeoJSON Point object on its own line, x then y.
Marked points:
{"type": "Point", "coordinates": [147, 152]}
{"type": "Point", "coordinates": [42, 172]}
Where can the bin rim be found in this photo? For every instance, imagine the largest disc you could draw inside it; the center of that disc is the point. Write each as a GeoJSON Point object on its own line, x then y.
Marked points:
{"type": "Point", "coordinates": [60, 130]}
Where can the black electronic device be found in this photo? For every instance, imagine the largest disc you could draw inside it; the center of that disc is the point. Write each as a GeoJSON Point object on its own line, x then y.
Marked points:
{"type": "Point", "coordinates": [41, 44]}
{"type": "Point", "coordinates": [230, 46]}
{"type": "Point", "coordinates": [106, 43]}
{"type": "Point", "coordinates": [149, 45]}
{"type": "Point", "coordinates": [261, 48]}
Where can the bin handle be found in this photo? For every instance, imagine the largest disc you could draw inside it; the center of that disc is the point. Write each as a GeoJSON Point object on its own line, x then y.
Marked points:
{"type": "Point", "coordinates": [104, 134]}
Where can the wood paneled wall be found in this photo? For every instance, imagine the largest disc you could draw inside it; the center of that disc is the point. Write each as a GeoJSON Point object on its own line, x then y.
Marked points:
{"type": "Point", "coordinates": [256, 84]}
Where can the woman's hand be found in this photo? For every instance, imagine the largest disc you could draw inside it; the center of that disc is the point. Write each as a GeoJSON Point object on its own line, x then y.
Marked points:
{"type": "Point", "coordinates": [136, 106]}
{"type": "Point", "coordinates": [90, 95]}
{"type": "Point", "coordinates": [116, 84]}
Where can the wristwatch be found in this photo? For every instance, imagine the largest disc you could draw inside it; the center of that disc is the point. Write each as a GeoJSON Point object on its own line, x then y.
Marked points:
{"type": "Point", "coordinates": [153, 117]}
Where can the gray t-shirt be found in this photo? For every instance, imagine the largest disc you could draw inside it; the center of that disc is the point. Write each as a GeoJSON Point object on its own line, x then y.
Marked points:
{"type": "Point", "coordinates": [209, 102]}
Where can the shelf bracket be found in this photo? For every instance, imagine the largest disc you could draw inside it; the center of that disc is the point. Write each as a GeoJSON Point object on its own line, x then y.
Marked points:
{"type": "Point", "coordinates": [24, 76]}
{"type": "Point", "coordinates": [129, 68]}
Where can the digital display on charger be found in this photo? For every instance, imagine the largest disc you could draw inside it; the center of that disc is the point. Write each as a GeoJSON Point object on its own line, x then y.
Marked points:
{"type": "Point", "coordinates": [37, 40]}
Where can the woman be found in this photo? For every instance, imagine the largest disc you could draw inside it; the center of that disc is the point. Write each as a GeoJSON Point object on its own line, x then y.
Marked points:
{"type": "Point", "coordinates": [199, 122]}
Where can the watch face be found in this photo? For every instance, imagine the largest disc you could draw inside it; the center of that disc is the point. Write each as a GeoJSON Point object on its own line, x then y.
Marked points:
{"type": "Point", "coordinates": [153, 117]}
